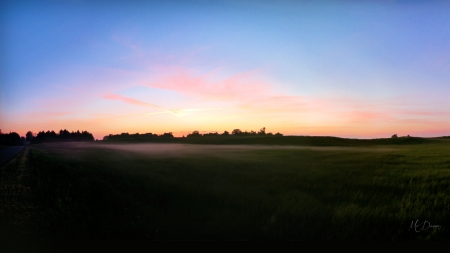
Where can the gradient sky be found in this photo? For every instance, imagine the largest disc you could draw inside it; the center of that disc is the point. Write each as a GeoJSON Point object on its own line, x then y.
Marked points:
{"type": "Point", "coordinates": [358, 69]}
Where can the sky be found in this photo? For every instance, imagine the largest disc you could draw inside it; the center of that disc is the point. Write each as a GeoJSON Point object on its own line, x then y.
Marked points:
{"type": "Point", "coordinates": [352, 69]}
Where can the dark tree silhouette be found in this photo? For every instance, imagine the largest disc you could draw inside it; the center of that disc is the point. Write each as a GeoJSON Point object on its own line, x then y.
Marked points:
{"type": "Point", "coordinates": [29, 136]}
{"type": "Point", "coordinates": [194, 134]}
{"type": "Point", "coordinates": [11, 139]}
{"type": "Point", "coordinates": [262, 131]}
{"type": "Point", "coordinates": [236, 132]}
{"type": "Point", "coordinates": [14, 138]}
{"type": "Point", "coordinates": [169, 135]}
{"type": "Point", "coordinates": [211, 134]}
{"type": "Point", "coordinates": [63, 136]}
{"type": "Point", "coordinates": [126, 136]}
{"type": "Point", "coordinates": [150, 137]}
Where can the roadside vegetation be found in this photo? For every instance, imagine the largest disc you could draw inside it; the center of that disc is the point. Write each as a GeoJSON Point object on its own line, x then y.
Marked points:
{"type": "Point", "coordinates": [10, 139]}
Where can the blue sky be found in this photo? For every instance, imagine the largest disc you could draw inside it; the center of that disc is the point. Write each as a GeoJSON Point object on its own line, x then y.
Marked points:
{"type": "Point", "coordinates": [360, 69]}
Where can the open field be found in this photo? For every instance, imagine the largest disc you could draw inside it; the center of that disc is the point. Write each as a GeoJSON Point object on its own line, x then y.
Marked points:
{"type": "Point", "coordinates": [242, 192]}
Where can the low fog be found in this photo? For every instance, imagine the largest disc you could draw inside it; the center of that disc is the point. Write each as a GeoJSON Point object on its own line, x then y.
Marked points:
{"type": "Point", "coordinates": [169, 149]}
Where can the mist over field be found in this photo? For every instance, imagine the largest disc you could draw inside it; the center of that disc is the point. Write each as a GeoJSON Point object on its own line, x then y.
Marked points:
{"type": "Point", "coordinates": [180, 150]}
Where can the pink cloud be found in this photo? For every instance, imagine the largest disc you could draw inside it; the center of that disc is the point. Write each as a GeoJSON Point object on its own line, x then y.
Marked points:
{"type": "Point", "coordinates": [424, 113]}
{"type": "Point", "coordinates": [178, 112]}
{"type": "Point", "coordinates": [248, 92]}
{"type": "Point", "coordinates": [365, 116]}
{"type": "Point", "coordinates": [236, 87]}
{"type": "Point", "coordinates": [131, 101]}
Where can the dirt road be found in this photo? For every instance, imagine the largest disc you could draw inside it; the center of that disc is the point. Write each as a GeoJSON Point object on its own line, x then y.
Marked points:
{"type": "Point", "coordinates": [8, 153]}
{"type": "Point", "coordinates": [20, 216]}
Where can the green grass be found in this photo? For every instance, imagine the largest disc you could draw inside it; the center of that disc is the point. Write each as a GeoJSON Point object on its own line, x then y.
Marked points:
{"type": "Point", "coordinates": [93, 192]}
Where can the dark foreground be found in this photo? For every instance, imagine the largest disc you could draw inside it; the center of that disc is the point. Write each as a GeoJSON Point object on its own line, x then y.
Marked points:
{"type": "Point", "coordinates": [198, 192]}
{"type": "Point", "coordinates": [9, 152]}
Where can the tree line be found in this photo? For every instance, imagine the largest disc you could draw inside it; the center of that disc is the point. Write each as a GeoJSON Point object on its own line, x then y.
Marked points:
{"type": "Point", "coordinates": [62, 136]}
{"type": "Point", "coordinates": [125, 136]}
{"type": "Point", "coordinates": [65, 136]}
{"type": "Point", "coordinates": [235, 132]}
{"type": "Point", "coordinates": [11, 139]}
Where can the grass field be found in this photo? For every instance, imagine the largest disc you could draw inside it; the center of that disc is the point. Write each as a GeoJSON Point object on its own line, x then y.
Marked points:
{"type": "Point", "coordinates": [363, 191]}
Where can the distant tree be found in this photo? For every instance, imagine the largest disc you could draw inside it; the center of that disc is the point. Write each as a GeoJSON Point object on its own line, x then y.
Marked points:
{"type": "Point", "coordinates": [53, 135]}
{"type": "Point", "coordinates": [62, 136]}
{"type": "Point", "coordinates": [225, 133]}
{"type": "Point", "coordinates": [14, 139]}
{"type": "Point", "coordinates": [194, 134]}
{"type": "Point", "coordinates": [169, 134]}
{"type": "Point", "coordinates": [262, 131]}
{"type": "Point", "coordinates": [211, 134]}
{"type": "Point", "coordinates": [29, 136]}
{"type": "Point", "coordinates": [236, 132]}
{"type": "Point", "coordinates": [278, 134]}
{"type": "Point", "coordinates": [394, 136]}
{"type": "Point", "coordinates": [86, 136]}
{"type": "Point", "coordinates": [11, 139]}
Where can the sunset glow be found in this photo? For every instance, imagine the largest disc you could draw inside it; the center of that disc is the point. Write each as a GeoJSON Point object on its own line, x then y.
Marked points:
{"type": "Point", "coordinates": [351, 69]}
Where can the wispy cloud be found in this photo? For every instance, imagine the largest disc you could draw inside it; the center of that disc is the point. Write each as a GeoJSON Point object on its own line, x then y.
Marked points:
{"type": "Point", "coordinates": [177, 112]}
{"type": "Point", "coordinates": [232, 88]}
{"type": "Point", "coordinates": [131, 101]}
